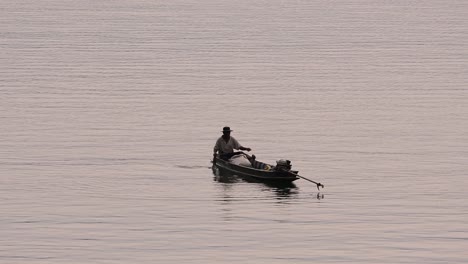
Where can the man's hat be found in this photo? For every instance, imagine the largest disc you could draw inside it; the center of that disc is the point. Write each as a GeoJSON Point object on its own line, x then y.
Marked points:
{"type": "Point", "coordinates": [226, 129]}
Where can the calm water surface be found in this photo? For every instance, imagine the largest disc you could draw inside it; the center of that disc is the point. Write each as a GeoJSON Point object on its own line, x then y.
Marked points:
{"type": "Point", "coordinates": [109, 111]}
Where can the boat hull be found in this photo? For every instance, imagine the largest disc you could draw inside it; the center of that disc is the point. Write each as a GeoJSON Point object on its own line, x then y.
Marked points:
{"type": "Point", "coordinates": [255, 174]}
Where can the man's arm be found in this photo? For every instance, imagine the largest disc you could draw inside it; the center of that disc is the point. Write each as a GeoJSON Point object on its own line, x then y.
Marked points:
{"type": "Point", "coordinates": [216, 148]}
{"type": "Point", "coordinates": [244, 148]}
{"type": "Point", "coordinates": [239, 146]}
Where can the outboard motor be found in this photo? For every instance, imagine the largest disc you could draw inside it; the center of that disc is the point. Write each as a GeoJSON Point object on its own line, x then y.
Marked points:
{"type": "Point", "coordinates": [283, 165]}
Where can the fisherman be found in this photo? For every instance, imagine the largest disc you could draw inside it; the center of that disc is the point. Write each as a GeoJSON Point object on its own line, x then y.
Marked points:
{"type": "Point", "coordinates": [225, 145]}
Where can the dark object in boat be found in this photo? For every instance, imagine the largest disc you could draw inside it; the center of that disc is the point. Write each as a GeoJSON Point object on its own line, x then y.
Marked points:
{"type": "Point", "coordinates": [247, 166]}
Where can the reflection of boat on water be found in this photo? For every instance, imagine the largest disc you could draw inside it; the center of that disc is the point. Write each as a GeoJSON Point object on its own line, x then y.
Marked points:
{"type": "Point", "coordinates": [250, 169]}
{"type": "Point", "coordinates": [225, 177]}
{"type": "Point", "coordinates": [281, 190]}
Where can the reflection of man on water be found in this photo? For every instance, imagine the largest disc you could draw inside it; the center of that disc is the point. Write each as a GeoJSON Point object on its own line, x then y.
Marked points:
{"type": "Point", "coordinates": [226, 145]}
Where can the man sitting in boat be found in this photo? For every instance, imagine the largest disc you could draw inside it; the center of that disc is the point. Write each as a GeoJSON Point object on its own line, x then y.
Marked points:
{"type": "Point", "coordinates": [226, 145]}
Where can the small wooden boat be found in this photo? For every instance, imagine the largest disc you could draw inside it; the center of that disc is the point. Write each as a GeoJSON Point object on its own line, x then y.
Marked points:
{"type": "Point", "coordinates": [281, 173]}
